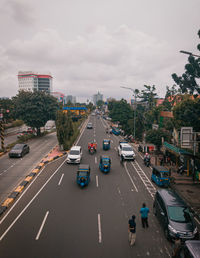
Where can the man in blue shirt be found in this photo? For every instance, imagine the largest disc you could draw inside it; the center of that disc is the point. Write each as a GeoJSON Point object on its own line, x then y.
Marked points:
{"type": "Point", "coordinates": [144, 215]}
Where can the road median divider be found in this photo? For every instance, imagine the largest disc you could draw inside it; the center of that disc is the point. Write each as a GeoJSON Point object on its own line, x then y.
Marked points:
{"type": "Point", "coordinates": [54, 154]}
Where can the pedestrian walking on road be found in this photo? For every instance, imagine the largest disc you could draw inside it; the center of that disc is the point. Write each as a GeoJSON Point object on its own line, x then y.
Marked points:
{"type": "Point", "coordinates": [132, 231]}
{"type": "Point", "coordinates": [144, 215]}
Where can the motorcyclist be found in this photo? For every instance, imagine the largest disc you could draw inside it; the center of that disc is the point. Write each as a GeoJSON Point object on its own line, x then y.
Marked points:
{"type": "Point", "coordinates": [147, 158]}
{"type": "Point", "coordinates": [92, 145]}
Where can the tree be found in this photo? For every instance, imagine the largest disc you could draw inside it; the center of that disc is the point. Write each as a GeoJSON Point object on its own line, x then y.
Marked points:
{"type": "Point", "coordinates": [188, 81]}
{"type": "Point", "coordinates": [64, 127]}
{"type": "Point", "coordinates": [35, 108]}
{"type": "Point", "coordinates": [149, 95]}
{"type": "Point", "coordinates": [155, 137]}
{"type": "Point", "coordinates": [186, 113]}
{"type": "Point", "coordinates": [120, 111]}
{"type": "Point", "coordinates": [7, 107]}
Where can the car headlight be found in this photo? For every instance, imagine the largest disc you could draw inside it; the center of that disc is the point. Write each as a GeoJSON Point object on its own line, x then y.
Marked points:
{"type": "Point", "coordinates": [172, 229]}
{"type": "Point", "coordinates": [195, 231]}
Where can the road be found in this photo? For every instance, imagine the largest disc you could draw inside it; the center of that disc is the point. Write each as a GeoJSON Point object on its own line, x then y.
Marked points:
{"type": "Point", "coordinates": [54, 218]}
{"type": "Point", "coordinates": [13, 171]}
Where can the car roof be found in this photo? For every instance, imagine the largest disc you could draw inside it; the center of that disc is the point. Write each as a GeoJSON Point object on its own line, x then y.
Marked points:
{"type": "Point", "coordinates": [171, 198]}
{"type": "Point", "coordinates": [123, 144]}
{"type": "Point", "coordinates": [75, 148]}
{"type": "Point", "coordinates": [194, 247]}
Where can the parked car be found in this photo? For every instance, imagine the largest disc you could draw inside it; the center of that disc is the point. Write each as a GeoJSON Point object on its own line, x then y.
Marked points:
{"type": "Point", "coordinates": [74, 155]}
{"type": "Point", "coordinates": [191, 249]}
{"type": "Point", "coordinates": [20, 134]}
{"type": "Point", "coordinates": [174, 216]}
{"type": "Point", "coordinates": [125, 151]}
{"type": "Point", "coordinates": [19, 150]}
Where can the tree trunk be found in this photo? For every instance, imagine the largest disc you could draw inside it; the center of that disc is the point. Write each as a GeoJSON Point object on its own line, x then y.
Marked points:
{"type": "Point", "coordinates": [38, 131]}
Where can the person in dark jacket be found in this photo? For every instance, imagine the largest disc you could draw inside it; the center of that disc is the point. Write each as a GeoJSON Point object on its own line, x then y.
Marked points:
{"type": "Point", "coordinates": [132, 230]}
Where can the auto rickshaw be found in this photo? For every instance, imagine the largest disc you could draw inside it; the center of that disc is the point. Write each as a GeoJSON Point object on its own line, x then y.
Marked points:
{"type": "Point", "coordinates": [92, 147]}
{"type": "Point", "coordinates": [104, 164]}
{"type": "Point", "coordinates": [106, 144]}
{"type": "Point", "coordinates": [160, 175]}
{"type": "Point", "coordinates": [115, 131]}
{"type": "Point", "coordinates": [83, 175]}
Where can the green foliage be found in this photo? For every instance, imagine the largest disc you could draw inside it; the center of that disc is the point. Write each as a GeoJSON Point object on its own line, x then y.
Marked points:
{"type": "Point", "coordinates": [149, 95]}
{"type": "Point", "coordinates": [188, 81]}
{"type": "Point", "coordinates": [64, 127]}
{"type": "Point", "coordinates": [7, 107]}
{"type": "Point", "coordinates": [155, 137]}
{"type": "Point", "coordinates": [187, 113]}
{"type": "Point", "coordinates": [100, 103]}
{"type": "Point", "coordinates": [35, 108]}
{"type": "Point", "coordinates": [120, 111]}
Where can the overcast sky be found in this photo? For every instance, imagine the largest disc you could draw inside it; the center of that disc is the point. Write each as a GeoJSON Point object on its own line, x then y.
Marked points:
{"type": "Point", "coordinates": [97, 45]}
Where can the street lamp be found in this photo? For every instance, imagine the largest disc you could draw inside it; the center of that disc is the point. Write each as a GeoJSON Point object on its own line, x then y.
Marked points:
{"type": "Point", "coordinates": [134, 94]}
{"type": "Point", "coordinates": [188, 53]}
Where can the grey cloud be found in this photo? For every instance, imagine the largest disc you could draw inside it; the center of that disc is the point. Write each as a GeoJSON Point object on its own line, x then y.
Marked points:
{"type": "Point", "coordinates": [21, 11]}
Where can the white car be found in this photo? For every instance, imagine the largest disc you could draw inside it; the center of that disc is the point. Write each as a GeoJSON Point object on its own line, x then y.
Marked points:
{"type": "Point", "coordinates": [74, 155]}
{"type": "Point", "coordinates": [125, 151]}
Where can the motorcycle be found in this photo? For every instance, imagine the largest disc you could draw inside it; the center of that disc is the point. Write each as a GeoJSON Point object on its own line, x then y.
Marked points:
{"type": "Point", "coordinates": [147, 162]}
{"type": "Point", "coordinates": [181, 169]}
{"type": "Point", "coordinates": [92, 150]}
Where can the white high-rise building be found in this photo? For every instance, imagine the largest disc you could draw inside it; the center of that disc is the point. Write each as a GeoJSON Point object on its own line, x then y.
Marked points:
{"type": "Point", "coordinates": [97, 97]}
{"type": "Point", "coordinates": [30, 81]}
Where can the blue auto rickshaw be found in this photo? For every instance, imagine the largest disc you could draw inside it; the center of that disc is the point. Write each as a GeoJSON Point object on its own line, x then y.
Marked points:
{"type": "Point", "coordinates": [161, 176]}
{"type": "Point", "coordinates": [104, 164]}
{"type": "Point", "coordinates": [83, 175]}
{"type": "Point", "coordinates": [106, 144]}
{"type": "Point", "coordinates": [115, 131]}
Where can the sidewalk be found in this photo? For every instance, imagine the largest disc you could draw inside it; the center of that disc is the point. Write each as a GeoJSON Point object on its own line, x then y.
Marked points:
{"type": "Point", "coordinates": [188, 190]}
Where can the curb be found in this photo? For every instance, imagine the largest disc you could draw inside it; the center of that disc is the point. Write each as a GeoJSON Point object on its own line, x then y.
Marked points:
{"type": "Point", "coordinates": [20, 188]}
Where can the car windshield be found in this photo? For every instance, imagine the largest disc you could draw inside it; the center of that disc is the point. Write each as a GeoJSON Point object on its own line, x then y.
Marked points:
{"type": "Point", "coordinates": [127, 149]}
{"type": "Point", "coordinates": [74, 152]}
{"type": "Point", "coordinates": [17, 147]}
{"type": "Point", "coordinates": [179, 214]}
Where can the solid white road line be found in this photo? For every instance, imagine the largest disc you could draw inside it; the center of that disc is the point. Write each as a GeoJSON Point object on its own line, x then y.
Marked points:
{"type": "Point", "coordinates": [42, 225]}
{"type": "Point", "coordinates": [25, 208]}
{"type": "Point", "coordinates": [61, 179]}
{"type": "Point", "coordinates": [99, 228]}
{"type": "Point", "coordinates": [97, 181]}
{"type": "Point", "coordinates": [95, 160]}
{"type": "Point", "coordinates": [130, 177]}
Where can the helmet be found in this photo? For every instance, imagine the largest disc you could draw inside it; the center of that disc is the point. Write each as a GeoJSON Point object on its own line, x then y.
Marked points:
{"type": "Point", "coordinates": [146, 153]}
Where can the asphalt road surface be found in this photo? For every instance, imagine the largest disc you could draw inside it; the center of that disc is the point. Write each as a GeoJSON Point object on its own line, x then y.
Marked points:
{"type": "Point", "coordinates": [13, 171]}
{"type": "Point", "coordinates": [54, 218]}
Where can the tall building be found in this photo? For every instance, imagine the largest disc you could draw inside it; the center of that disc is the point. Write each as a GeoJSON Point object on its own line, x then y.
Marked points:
{"type": "Point", "coordinates": [30, 81]}
{"type": "Point", "coordinates": [70, 98]}
{"type": "Point", "coordinates": [97, 97]}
